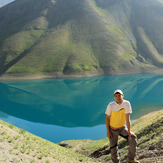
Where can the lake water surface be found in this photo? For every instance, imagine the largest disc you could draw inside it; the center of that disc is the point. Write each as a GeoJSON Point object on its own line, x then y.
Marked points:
{"type": "Point", "coordinates": [64, 109]}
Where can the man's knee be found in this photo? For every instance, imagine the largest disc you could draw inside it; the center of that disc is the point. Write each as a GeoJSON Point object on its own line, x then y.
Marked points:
{"type": "Point", "coordinates": [132, 139]}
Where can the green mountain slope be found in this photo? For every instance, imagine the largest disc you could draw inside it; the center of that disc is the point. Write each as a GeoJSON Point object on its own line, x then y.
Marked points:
{"type": "Point", "coordinates": [84, 37]}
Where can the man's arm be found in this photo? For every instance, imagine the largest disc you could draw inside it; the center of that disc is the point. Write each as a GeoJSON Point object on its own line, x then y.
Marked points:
{"type": "Point", "coordinates": [128, 122]}
{"type": "Point", "coordinates": [107, 122]}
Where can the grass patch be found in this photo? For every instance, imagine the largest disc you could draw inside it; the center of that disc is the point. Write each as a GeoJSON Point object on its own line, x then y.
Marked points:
{"type": "Point", "coordinates": [21, 68]}
{"type": "Point", "coordinates": [116, 30]}
{"type": "Point", "coordinates": [127, 57]}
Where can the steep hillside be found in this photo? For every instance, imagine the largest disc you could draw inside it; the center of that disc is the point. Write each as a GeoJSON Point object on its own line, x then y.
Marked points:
{"type": "Point", "coordinates": [149, 131]}
{"type": "Point", "coordinates": [17, 145]}
{"type": "Point", "coordinates": [84, 37]}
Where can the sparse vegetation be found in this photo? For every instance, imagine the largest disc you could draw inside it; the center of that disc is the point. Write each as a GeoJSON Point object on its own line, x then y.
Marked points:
{"type": "Point", "coordinates": [25, 146]}
{"type": "Point", "coordinates": [148, 129]}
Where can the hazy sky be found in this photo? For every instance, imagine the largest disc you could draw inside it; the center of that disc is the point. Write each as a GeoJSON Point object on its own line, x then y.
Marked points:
{"type": "Point", "coordinates": [4, 2]}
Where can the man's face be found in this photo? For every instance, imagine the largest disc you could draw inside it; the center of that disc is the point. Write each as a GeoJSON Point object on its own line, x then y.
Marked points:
{"type": "Point", "coordinates": [118, 98]}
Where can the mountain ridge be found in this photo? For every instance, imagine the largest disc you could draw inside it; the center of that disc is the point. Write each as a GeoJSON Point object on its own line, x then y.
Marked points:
{"type": "Point", "coordinates": [60, 38]}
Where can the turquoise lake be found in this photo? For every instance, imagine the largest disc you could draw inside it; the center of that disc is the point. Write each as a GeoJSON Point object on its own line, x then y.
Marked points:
{"type": "Point", "coordinates": [64, 109]}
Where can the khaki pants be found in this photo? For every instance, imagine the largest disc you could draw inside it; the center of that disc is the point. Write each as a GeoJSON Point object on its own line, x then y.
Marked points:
{"type": "Point", "coordinates": [113, 144]}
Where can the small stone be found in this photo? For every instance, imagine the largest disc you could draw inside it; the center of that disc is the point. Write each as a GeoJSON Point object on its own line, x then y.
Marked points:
{"type": "Point", "coordinates": [152, 147]}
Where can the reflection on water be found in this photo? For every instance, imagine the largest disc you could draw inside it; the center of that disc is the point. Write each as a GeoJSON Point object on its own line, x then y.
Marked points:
{"type": "Point", "coordinates": [78, 102]}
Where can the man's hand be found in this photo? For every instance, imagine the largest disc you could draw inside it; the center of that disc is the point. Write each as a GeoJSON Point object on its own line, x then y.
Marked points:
{"type": "Point", "coordinates": [107, 121]}
{"type": "Point", "coordinates": [109, 135]}
{"type": "Point", "coordinates": [131, 134]}
{"type": "Point", "coordinates": [129, 125]}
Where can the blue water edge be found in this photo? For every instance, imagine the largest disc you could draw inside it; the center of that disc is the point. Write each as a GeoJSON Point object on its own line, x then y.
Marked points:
{"type": "Point", "coordinates": [66, 109]}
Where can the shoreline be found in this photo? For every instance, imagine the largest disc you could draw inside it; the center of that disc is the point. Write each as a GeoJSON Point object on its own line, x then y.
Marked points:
{"type": "Point", "coordinates": [18, 77]}
{"type": "Point", "coordinates": [38, 76]}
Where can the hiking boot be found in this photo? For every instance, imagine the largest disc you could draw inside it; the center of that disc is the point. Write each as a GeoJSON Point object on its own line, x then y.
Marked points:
{"type": "Point", "coordinates": [133, 161]}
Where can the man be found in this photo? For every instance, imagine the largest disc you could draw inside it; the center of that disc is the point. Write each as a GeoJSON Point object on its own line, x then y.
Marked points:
{"type": "Point", "coordinates": [117, 114]}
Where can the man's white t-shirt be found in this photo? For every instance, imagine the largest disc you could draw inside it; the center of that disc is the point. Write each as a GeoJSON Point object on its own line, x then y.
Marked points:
{"type": "Point", "coordinates": [117, 113]}
{"type": "Point", "coordinates": [113, 106]}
